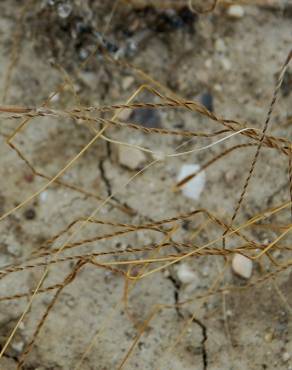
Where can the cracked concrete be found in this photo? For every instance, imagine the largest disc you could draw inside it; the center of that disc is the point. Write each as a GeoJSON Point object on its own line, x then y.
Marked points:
{"type": "Point", "coordinates": [93, 304]}
{"type": "Point", "coordinates": [176, 289]}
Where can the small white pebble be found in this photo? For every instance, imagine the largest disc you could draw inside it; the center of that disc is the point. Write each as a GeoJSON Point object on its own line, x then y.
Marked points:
{"type": "Point", "coordinates": [242, 266]}
{"type": "Point", "coordinates": [185, 274]}
{"type": "Point", "coordinates": [55, 98]}
{"type": "Point", "coordinates": [193, 188]}
{"type": "Point", "coordinates": [131, 158]}
{"type": "Point", "coordinates": [124, 114]}
{"type": "Point", "coordinates": [15, 250]}
{"type": "Point", "coordinates": [127, 82]}
{"type": "Point", "coordinates": [43, 196]}
{"type": "Point", "coordinates": [17, 346]}
{"type": "Point", "coordinates": [229, 313]}
{"type": "Point", "coordinates": [83, 54]}
{"type": "Point", "coordinates": [206, 271]}
{"type": "Point", "coordinates": [208, 63]}
{"type": "Point", "coordinates": [218, 87]}
{"type": "Point", "coordinates": [166, 273]}
{"type": "Point", "coordinates": [21, 325]}
{"type": "Point", "coordinates": [269, 337]}
{"type": "Point", "coordinates": [226, 64]}
{"type": "Point", "coordinates": [220, 46]}
{"type": "Point", "coordinates": [235, 11]}
{"type": "Point", "coordinates": [210, 306]}
{"type": "Point", "coordinates": [64, 10]}
{"type": "Point", "coordinates": [286, 356]}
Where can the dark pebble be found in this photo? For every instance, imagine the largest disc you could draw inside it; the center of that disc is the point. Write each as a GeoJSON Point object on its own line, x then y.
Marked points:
{"type": "Point", "coordinates": [186, 225]}
{"type": "Point", "coordinates": [207, 101]}
{"type": "Point", "coordinates": [146, 117]}
{"type": "Point", "coordinates": [171, 20]}
{"type": "Point", "coordinates": [286, 87]}
{"type": "Point", "coordinates": [30, 214]}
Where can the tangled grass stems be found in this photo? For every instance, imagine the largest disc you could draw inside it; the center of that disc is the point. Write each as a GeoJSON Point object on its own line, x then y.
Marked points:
{"type": "Point", "coordinates": [154, 257]}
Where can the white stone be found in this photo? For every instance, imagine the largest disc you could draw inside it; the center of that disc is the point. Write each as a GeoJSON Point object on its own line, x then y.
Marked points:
{"type": "Point", "coordinates": [131, 158]}
{"type": "Point", "coordinates": [206, 271]}
{"type": "Point", "coordinates": [54, 97]}
{"type": "Point", "coordinates": [127, 82]}
{"type": "Point", "coordinates": [235, 11]}
{"type": "Point", "coordinates": [226, 64]}
{"type": "Point", "coordinates": [21, 325]}
{"type": "Point", "coordinates": [286, 356]}
{"type": "Point", "coordinates": [242, 266]}
{"type": "Point", "coordinates": [64, 10]}
{"type": "Point", "coordinates": [269, 337]}
{"type": "Point", "coordinates": [193, 188]}
{"type": "Point", "coordinates": [229, 313]}
{"type": "Point", "coordinates": [124, 114]}
{"type": "Point", "coordinates": [17, 346]}
{"type": "Point", "coordinates": [220, 46]}
{"type": "Point", "coordinates": [43, 196]}
{"type": "Point", "coordinates": [166, 273]}
{"type": "Point", "coordinates": [15, 250]}
{"type": "Point", "coordinates": [185, 274]}
{"type": "Point", "coordinates": [218, 87]}
{"type": "Point", "coordinates": [208, 63]}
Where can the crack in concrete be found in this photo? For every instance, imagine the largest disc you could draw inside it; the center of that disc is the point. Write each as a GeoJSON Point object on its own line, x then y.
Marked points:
{"type": "Point", "coordinates": [102, 169]}
{"type": "Point", "coordinates": [104, 177]}
{"type": "Point", "coordinates": [203, 342]}
{"type": "Point", "coordinates": [177, 286]}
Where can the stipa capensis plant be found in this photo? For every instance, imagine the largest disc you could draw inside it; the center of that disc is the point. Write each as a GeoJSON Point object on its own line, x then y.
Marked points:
{"type": "Point", "coordinates": [112, 242]}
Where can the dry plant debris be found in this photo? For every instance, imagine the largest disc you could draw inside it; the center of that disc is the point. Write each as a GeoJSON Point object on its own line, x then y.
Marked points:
{"type": "Point", "coordinates": [104, 263]}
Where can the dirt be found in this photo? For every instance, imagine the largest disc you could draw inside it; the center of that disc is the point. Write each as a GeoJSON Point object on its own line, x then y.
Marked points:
{"type": "Point", "coordinates": [231, 66]}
